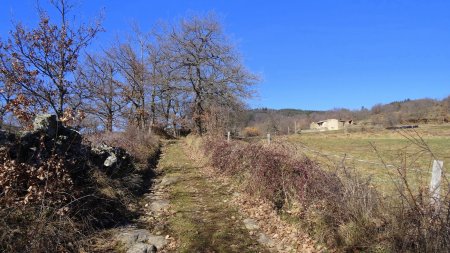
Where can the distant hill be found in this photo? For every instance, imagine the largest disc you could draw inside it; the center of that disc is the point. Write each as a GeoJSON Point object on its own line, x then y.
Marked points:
{"type": "Point", "coordinates": [285, 112]}
{"type": "Point", "coordinates": [407, 111]}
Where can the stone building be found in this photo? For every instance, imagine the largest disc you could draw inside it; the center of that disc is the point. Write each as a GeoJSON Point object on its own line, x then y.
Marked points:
{"type": "Point", "coordinates": [330, 124]}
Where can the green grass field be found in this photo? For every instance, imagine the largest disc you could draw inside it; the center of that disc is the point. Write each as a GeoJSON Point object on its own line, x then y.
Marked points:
{"type": "Point", "coordinates": [369, 151]}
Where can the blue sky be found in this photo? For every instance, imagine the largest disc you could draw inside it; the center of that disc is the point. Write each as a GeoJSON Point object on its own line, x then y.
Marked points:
{"type": "Point", "coordinates": [317, 54]}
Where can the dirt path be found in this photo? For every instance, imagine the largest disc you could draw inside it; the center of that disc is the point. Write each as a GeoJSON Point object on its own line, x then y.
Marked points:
{"type": "Point", "coordinates": [199, 218]}
{"type": "Point", "coordinates": [190, 209]}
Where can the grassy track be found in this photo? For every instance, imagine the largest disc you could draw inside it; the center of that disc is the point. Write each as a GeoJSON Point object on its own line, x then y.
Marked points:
{"type": "Point", "coordinates": [202, 220]}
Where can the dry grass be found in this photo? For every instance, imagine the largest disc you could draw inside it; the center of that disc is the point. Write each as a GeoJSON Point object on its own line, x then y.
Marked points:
{"type": "Point", "coordinates": [66, 194]}
{"type": "Point", "coordinates": [202, 220]}
{"type": "Point", "coordinates": [358, 150]}
{"type": "Point", "coordinates": [349, 213]}
{"type": "Point", "coordinates": [297, 186]}
{"type": "Point", "coordinates": [140, 145]}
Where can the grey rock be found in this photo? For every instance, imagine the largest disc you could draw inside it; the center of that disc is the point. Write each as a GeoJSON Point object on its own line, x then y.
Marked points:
{"type": "Point", "coordinates": [251, 224]}
{"type": "Point", "coordinates": [131, 237]}
{"type": "Point", "coordinates": [52, 127]}
{"type": "Point", "coordinates": [115, 160]}
{"type": "Point", "coordinates": [27, 138]}
{"type": "Point", "coordinates": [102, 149]}
{"type": "Point", "coordinates": [73, 136]}
{"type": "Point", "coordinates": [142, 248]}
{"type": "Point", "coordinates": [159, 205]}
{"type": "Point", "coordinates": [158, 240]}
{"type": "Point", "coordinates": [111, 160]}
{"type": "Point", "coordinates": [263, 239]}
{"type": "Point", "coordinates": [166, 181]}
{"type": "Point", "coordinates": [22, 134]}
{"type": "Point", "coordinates": [57, 139]}
{"type": "Point", "coordinates": [46, 123]}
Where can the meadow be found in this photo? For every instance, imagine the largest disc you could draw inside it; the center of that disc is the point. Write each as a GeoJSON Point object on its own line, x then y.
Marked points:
{"type": "Point", "coordinates": [379, 153]}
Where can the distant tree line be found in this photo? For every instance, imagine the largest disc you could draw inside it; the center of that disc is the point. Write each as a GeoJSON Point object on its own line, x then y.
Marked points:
{"type": "Point", "coordinates": [185, 75]}
{"type": "Point", "coordinates": [400, 112]}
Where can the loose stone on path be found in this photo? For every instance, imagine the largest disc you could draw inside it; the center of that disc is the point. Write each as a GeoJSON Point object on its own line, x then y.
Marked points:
{"type": "Point", "coordinates": [140, 239]}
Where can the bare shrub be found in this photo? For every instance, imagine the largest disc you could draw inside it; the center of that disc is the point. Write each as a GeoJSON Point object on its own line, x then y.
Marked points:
{"type": "Point", "coordinates": [340, 213]}
{"type": "Point", "coordinates": [55, 191]}
{"type": "Point", "coordinates": [140, 144]}
{"type": "Point", "coordinates": [417, 225]}
{"type": "Point", "coordinates": [42, 185]}
{"type": "Point", "coordinates": [416, 222]}
{"type": "Point", "coordinates": [251, 132]}
{"type": "Point", "coordinates": [38, 229]}
{"type": "Point", "coordinates": [273, 171]}
{"type": "Point", "coordinates": [23, 183]}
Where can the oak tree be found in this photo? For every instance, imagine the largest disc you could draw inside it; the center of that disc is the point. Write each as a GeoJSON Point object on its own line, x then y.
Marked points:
{"type": "Point", "coordinates": [104, 100]}
{"type": "Point", "coordinates": [47, 56]}
{"type": "Point", "coordinates": [208, 66]}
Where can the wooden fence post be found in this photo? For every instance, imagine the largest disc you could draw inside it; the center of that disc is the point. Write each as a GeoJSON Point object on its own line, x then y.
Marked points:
{"type": "Point", "coordinates": [268, 138]}
{"type": "Point", "coordinates": [435, 185]}
{"type": "Point", "coordinates": [228, 136]}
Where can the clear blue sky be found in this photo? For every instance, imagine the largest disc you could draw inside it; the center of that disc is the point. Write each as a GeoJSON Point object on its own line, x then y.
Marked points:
{"type": "Point", "coordinates": [316, 54]}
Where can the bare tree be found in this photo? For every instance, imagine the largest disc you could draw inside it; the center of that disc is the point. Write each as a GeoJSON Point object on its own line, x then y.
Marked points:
{"type": "Point", "coordinates": [104, 100]}
{"type": "Point", "coordinates": [133, 68]}
{"type": "Point", "coordinates": [445, 109]}
{"type": "Point", "coordinates": [160, 81]}
{"type": "Point", "coordinates": [48, 55]}
{"type": "Point", "coordinates": [167, 98]}
{"type": "Point", "coordinates": [208, 66]}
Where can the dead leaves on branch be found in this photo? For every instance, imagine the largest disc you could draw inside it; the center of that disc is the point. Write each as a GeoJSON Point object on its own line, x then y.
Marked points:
{"type": "Point", "coordinates": [23, 183]}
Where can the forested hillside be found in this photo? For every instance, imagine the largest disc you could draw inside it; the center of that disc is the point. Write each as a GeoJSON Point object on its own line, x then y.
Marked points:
{"type": "Point", "coordinates": [400, 112]}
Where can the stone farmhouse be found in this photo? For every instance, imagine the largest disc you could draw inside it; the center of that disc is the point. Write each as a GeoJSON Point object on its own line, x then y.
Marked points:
{"type": "Point", "coordinates": [330, 124]}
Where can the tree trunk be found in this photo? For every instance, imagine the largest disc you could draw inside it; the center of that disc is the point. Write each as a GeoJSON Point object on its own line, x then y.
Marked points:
{"type": "Point", "coordinates": [198, 116]}
{"type": "Point", "coordinates": [109, 122]}
{"type": "Point", "coordinates": [153, 107]}
{"type": "Point", "coordinates": [174, 126]}
{"type": "Point", "coordinates": [142, 112]}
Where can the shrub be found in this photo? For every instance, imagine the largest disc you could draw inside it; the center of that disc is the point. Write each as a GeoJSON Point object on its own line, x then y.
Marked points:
{"type": "Point", "coordinates": [337, 212]}
{"type": "Point", "coordinates": [340, 208]}
{"type": "Point", "coordinates": [415, 222]}
{"type": "Point", "coordinates": [37, 228]}
{"type": "Point", "coordinates": [54, 186]}
{"type": "Point", "coordinates": [42, 181]}
{"type": "Point", "coordinates": [251, 132]}
{"type": "Point", "coordinates": [273, 171]}
{"type": "Point", "coordinates": [141, 145]}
